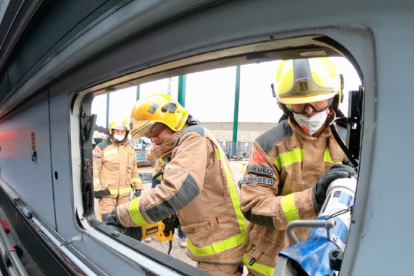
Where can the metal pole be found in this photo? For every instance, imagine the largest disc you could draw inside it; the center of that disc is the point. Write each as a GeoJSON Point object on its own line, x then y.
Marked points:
{"type": "Point", "coordinates": [182, 83]}
{"type": "Point", "coordinates": [236, 111]}
{"type": "Point", "coordinates": [107, 110]}
{"type": "Point", "coordinates": [7, 246]}
{"type": "Point", "coordinates": [138, 91]}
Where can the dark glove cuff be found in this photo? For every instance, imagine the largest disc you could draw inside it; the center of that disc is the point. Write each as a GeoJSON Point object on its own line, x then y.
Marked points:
{"type": "Point", "coordinates": [101, 193]}
{"type": "Point", "coordinates": [316, 205]}
{"type": "Point", "coordinates": [112, 218]}
{"type": "Point", "coordinates": [137, 192]}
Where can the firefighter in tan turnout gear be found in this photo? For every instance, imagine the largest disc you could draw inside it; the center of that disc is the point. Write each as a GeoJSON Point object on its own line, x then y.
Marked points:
{"type": "Point", "coordinates": [292, 164]}
{"type": "Point", "coordinates": [115, 173]}
{"type": "Point", "coordinates": [197, 185]}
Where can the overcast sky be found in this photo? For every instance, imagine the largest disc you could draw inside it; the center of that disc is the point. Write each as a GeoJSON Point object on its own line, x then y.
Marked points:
{"type": "Point", "coordinates": [210, 95]}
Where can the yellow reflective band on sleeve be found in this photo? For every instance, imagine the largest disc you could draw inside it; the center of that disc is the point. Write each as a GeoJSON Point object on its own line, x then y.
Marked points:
{"type": "Point", "coordinates": [121, 191]}
{"type": "Point", "coordinates": [217, 247]}
{"type": "Point", "coordinates": [96, 181]}
{"type": "Point", "coordinates": [160, 160]}
{"type": "Point", "coordinates": [288, 158]}
{"type": "Point", "coordinates": [135, 179]}
{"type": "Point", "coordinates": [327, 157]}
{"type": "Point", "coordinates": [261, 268]}
{"type": "Point", "coordinates": [289, 207]}
{"type": "Point", "coordinates": [135, 214]}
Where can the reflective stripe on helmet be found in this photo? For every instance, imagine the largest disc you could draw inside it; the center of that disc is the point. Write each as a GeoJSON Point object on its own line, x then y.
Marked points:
{"type": "Point", "coordinates": [261, 268]}
{"type": "Point", "coordinates": [135, 214]}
{"type": "Point", "coordinates": [289, 207]}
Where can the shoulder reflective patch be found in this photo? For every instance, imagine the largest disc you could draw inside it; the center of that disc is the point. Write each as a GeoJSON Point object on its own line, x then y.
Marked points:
{"type": "Point", "coordinates": [257, 157]}
{"type": "Point", "coordinates": [97, 150]}
{"type": "Point", "coordinates": [258, 180]}
{"type": "Point", "coordinates": [260, 170]}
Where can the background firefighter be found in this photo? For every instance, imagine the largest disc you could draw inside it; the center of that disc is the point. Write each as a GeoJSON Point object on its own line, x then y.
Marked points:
{"type": "Point", "coordinates": [197, 185]}
{"type": "Point", "coordinates": [115, 170]}
{"type": "Point", "coordinates": [292, 164]}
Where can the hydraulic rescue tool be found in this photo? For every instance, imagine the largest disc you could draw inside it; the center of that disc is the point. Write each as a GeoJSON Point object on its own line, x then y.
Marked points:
{"type": "Point", "coordinates": [321, 253]}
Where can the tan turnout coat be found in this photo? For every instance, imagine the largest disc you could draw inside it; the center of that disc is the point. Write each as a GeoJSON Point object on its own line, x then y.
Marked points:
{"type": "Point", "coordinates": [277, 188]}
{"type": "Point", "coordinates": [200, 189]}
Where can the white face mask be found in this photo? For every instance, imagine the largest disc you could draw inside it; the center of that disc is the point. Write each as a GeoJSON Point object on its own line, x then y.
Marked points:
{"type": "Point", "coordinates": [312, 124]}
{"type": "Point", "coordinates": [119, 138]}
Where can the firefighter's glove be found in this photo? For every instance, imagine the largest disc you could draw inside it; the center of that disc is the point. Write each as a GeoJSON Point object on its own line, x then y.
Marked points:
{"type": "Point", "coordinates": [112, 219]}
{"type": "Point", "coordinates": [137, 193]}
{"type": "Point", "coordinates": [170, 223]}
{"type": "Point", "coordinates": [319, 189]}
{"type": "Point", "coordinates": [101, 193]}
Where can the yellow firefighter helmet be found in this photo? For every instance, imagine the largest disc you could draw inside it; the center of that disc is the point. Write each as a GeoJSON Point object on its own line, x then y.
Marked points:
{"type": "Point", "coordinates": [121, 124]}
{"type": "Point", "coordinates": [157, 108]}
{"type": "Point", "coordinates": [302, 81]}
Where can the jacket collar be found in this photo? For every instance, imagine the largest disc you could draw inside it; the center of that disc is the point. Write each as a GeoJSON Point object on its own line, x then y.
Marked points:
{"type": "Point", "coordinates": [165, 148]}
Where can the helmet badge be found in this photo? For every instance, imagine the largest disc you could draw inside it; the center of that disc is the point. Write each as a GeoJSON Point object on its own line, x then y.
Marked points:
{"type": "Point", "coordinates": [303, 85]}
